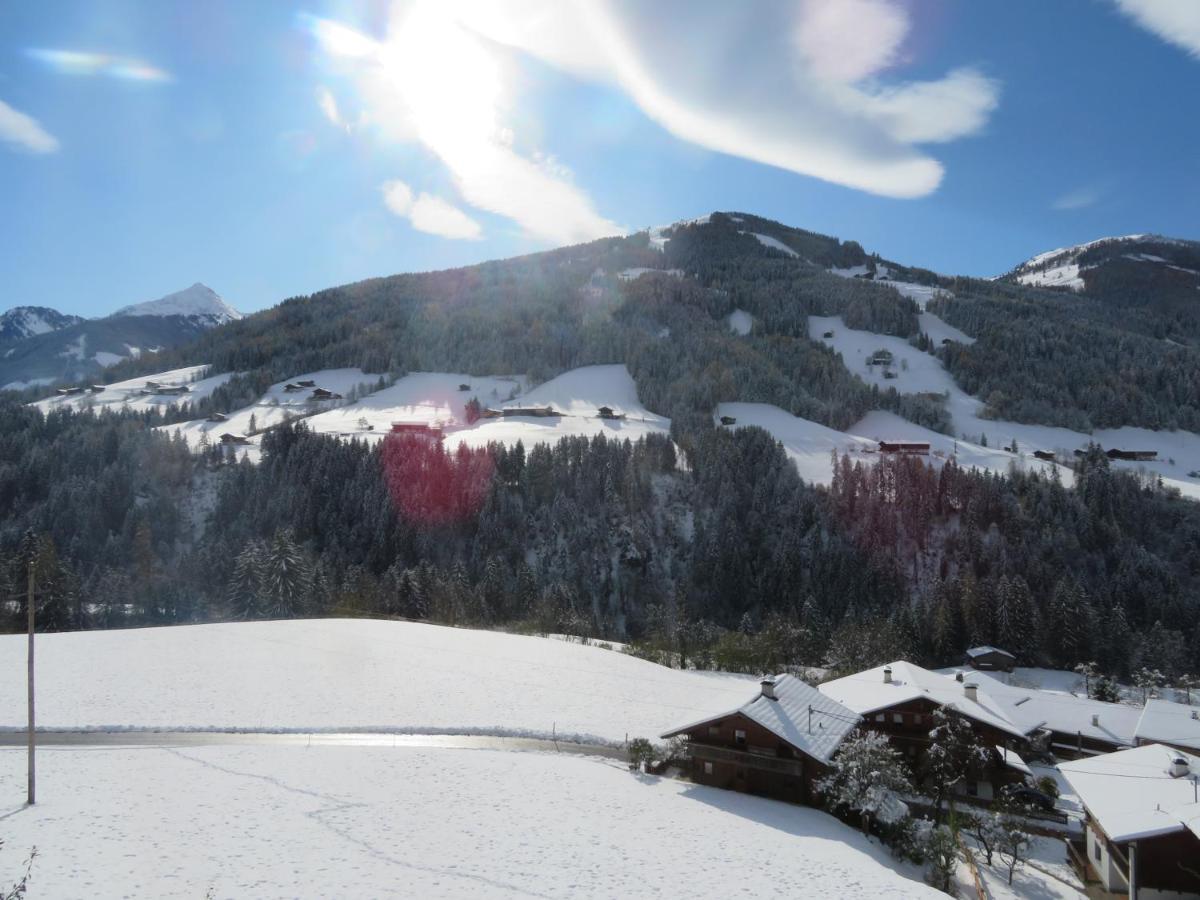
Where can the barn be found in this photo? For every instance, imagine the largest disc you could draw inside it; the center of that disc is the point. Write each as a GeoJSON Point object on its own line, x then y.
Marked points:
{"type": "Point", "coordinates": [776, 744]}
{"type": "Point", "coordinates": [989, 659]}
{"type": "Point", "coordinates": [915, 448]}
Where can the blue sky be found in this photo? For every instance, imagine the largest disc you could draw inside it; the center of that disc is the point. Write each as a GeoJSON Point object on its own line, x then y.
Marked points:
{"type": "Point", "coordinates": [270, 150]}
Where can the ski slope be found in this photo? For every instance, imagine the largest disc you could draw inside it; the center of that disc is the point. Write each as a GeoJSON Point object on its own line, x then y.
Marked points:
{"type": "Point", "coordinates": [351, 674]}
{"type": "Point", "coordinates": [385, 822]}
{"type": "Point", "coordinates": [128, 394]}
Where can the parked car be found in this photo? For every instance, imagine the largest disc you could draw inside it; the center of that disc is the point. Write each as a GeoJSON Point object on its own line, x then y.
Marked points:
{"type": "Point", "coordinates": [1027, 796]}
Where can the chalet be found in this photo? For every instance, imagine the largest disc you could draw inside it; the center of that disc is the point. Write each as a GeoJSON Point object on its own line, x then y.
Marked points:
{"type": "Point", "coordinates": [217, 417]}
{"type": "Point", "coordinates": [1046, 455]}
{"type": "Point", "coordinates": [728, 420]}
{"type": "Point", "coordinates": [1133, 455]}
{"type": "Point", "coordinates": [172, 390]}
{"type": "Point", "coordinates": [542, 412]}
{"type": "Point", "coordinates": [97, 388]}
{"type": "Point", "coordinates": [1141, 822]}
{"type": "Point", "coordinates": [606, 412]}
{"type": "Point", "coordinates": [880, 358]}
{"type": "Point", "coordinates": [1173, 724]}
{"type": "Point", "coordinates": [777, 744]}
{"type": "Point", "coordinates": [291, 388]}
{"type": "Point", "coordinates": [464, 387]}
{"type": "Point", "coordinates": [309, 383]}
{"type": "Point", "coordinates": [152, 385]}
{"type": "Point", "coordinates": [69, 391]}
{"type": "Point", "coordinates": [322, 394]}
{"type": "Point", "coordinates": [827, 334]}
{"type": "Point", "coordinates": [230, 438]}
{"type": "Point", "coordinates": [916, 448]}
{"type": "Point", "coordinates": [899, 700]}
{"type": "Point", "coordinates": [989, 659]}
{"type": "Point", "coordinates": [422, 428]}
{"type": "Point", "coordinates": [1070, 726]}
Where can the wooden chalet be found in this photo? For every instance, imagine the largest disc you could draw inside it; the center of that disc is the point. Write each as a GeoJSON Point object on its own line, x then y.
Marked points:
{"type": "Point", "coordinates": [1046, 455]}
{"type": "Point", "coordinates": [1175, 725]}
{"type": "Point", "coordinates": [421, 428]}
{"type": "Point", "coordinates": [464, 387]}
{"type": "Point", "coordinates": [323, 394]}
{"type": "Point", "coordinates": [989, 659]}
{"type": "Point", "coordinates": [236, 439]}
{"type": "Point", "coordinates": [97, 388]}
{"type": "Point", "coordinates": [915, 448]}
{"type": "Point", "coordinates": [1133, 455]}
{"type": "Point", "coordinates": [607, 412]}
{"type": "Point", "coordinates": [880, 358]}
{"type": "Point", "coordinates": [307, 383]}
{"type": "Point", "coordinates": [217, 417]}
{"type": "Point", "coordinates": [153, 385]}
{"type": "Point", "coordinates": [543, 412]}
{"type": "Point", "coordinates": [728, 420]}
{"type": "Point", "coordinates": [827, 334]}
{"type": "Point", "coordinates": [68, 391]}
{"type": "Point", "coordinates": [291, 388]}
{"type": "Point", "coordinates": [172, 390]}
{"type": "Point", "coordinates": [777, 744]}
{"type": "Point", "coordinates": [1141, 822]}
{"type": "Point", "coordinates": [900, 699]}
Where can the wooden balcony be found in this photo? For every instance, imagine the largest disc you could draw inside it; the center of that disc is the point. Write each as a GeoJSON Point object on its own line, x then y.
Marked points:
{"type": "Point", "coordinates": [750, 758]}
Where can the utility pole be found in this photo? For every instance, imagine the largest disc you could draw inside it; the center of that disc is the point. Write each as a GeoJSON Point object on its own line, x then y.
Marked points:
{"type": "Point", "coordinates": [31, 609]}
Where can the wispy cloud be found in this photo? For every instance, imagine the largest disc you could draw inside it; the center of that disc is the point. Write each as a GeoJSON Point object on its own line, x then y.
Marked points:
{"type": "Point", "coordinates": [24, 132]}
{"type": "Point", "coordinates": [1175, 21]}
{"type": "Point", "coordinates": [429, 213]}
{"type": "Point", "coordinates": [799, 86]}
{"type": "Point", "coordinates": [75, 62]}
{"type": "Point", "coordinates": [1080, 198]}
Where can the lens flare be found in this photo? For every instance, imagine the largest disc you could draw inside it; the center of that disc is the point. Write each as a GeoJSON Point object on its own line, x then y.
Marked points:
{"type": "Point", "coordinates": [74, 62]}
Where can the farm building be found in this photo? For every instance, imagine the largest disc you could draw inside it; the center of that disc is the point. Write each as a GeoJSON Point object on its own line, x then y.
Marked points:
{"type": "Point", "coordinates": [1173, 724]}
{"type": "Point", "coordinates": [217, 417]}
{"type": "Point", "coordinates": [607, 412]}
{"type": "Point", "coordinates": [1141, 824]}
{"type": "Point", "coordinates": [880, 358]}
{"type": "Point", "coordinates": [918, 448]}
{"type": "Point", "coordinates": [1046, 455]}
{"type": "Point", "coordinates": [464, 387]}
{"type": "Point", "coordinates": [776, 744]}
{"type": "Point", "coordinates": [307, 383]}
{"type": "Point", "coordinates": [728, 420]}
{"type": "Point", "coordinates": [1133, 455]}
{"type": "Point", "coordinates": [292, 388]}
{"type": "Point", "coordinates": [97, 388]}
{"type": "Point", "coordinates": [322, 394]}
{"type": "Point", "coordinates": [68, 391]}
{"type": "Point", "coordinates": [536, 411]}
{"type": "Point", "coordinates": [899, 700]}
{"type": "Point", "coordinates": [172, 390]}
{"type": "Point", "coordinates": [422, 428]}
{"type": "Point", "coordinates": [989, 659]}
{"type": "Point", "coordinates": [231, 438]}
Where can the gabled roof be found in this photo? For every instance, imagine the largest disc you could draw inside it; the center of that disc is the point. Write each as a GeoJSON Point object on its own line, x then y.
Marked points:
{"type": "Point", "coordinates": [1057, 711]}
{"type": "Point", "coordinates": [867, 692]}
{"type": "Point", "coordinates": [1165, 722]}
{"type": "Point", "coordinates": [1131, 794]}
{"type": "Point", "coordinates": [787, 718]}
{"type": "Point", "coordinates": [985, 650]}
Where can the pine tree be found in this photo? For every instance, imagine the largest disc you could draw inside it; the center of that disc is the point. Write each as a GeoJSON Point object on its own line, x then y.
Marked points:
{"type": "Point", "coordinates": [244, 595]}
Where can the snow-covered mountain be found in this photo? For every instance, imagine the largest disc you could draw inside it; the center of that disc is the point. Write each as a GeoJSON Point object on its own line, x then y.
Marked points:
{"type": "Point", "coordinates": [1137, 256]}
{"type": "Point", "coordinates": [197, 302]}
{"type": "Point", "coordinates": [42, 346]}
{"type": "Point", "coordinates": [26, 321]}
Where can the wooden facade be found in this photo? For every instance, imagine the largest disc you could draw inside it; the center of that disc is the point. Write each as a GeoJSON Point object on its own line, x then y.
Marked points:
{"type": "Point", "coordinates": [989, 659]}
{"type": "Point", "coordinates": [737, 753]}
{"type": "Point", "coordinates": [915, 447]}
{"type": "Point", "coordinates": [1168, 862]}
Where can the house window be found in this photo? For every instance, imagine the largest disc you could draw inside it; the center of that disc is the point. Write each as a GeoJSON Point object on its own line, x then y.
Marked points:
{"type": "Point", "coordinates": [1096, 850]}
{"type": "Point", "coordinates": [708, 768]}
{"type": "Point", "coordinates": [973, 788]}
{"type": "Point", "coordinates": [714, 730]}
{"type": "Point", "coordinates": [916, 718]}
{"type": "Point", "coordinates": [898, 718]}
{"type": "Point", "coordinates": [739, 736]}
{"type": "Point", "coordinates": [880, 718]}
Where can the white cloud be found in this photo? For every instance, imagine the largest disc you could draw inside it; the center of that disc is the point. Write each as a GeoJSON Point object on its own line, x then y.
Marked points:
{"type": "Point", "coordinates": [1175, 21]}
{"type": "Point", "coordinates": [24, 132]}
{"type": "Point", "coordinates": [428, 213]}
{"type": "Point", "coordinates": [850, 39]}
{"type": "Point", "coordinates": [328, 104]}
{"type": "Point", "coordinates": [1080, 198]}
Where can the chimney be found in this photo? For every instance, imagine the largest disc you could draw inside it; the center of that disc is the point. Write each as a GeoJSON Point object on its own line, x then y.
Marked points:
{"type": "Point", "coordinates": [768, 688]}
{"type": "Point", "coordinates": [958, 676]}
{"type": "Point", "coordinates": [887, 674]}
{"type": "Point", "coordinates": [972, 691]}
{"type": "Point", "coordinates": [1179, 767]}
{"type": "Point", "coordinates": [1095, 720]}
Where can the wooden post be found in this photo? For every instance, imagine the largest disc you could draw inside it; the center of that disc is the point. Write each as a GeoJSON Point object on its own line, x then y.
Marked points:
{"type": "Point", "coordinates": [1133, 870]}
{"type": "Point", "coordinates": [31, 611]}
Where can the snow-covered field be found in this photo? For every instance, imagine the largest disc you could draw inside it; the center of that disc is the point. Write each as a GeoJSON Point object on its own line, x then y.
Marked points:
{"type": "Point", "coordinates": [774, 243]}
{"type": "Point", "coordinates": [410, 822]}
{"type": "Point", "coordinates": [740, 322]}
{"type": "Point", "coordinates": [918, 372]}
{"type": "Point", "coordinates": [353, 674]}
{"type": "Point", "coordinates": [128, 394]}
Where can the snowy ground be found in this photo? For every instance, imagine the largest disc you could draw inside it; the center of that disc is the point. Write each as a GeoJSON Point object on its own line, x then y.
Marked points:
{"type": "Point", "coordinates": [351, 674]}
{"type": "Point", "coordinates": [407, 822]}
{"type": "Point", "coordinates": [918, 372]}
{"type": "Point", "coordinates": [774, 243]}
{"type": "Point", "coordinates": [127, 394]}
{"type": "Point", "coordinates": [740, 322]}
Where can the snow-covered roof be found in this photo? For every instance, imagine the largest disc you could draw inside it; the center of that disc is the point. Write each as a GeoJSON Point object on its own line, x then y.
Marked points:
{"type": "Point", "coordinates": [1013, 760]}
{"type": "Point", "coordinates": [1132, 794]}
{"type": "Point", "coordinates": [1169, 723]}
{"type": "Point", "coordinates": [985, 650]}
{"type": "Point", "coordinates": [1057, 711]}
{"type": "Point", "coordinates": [787, 717]}
{"type": "Point", "coordinates": [867, 692]}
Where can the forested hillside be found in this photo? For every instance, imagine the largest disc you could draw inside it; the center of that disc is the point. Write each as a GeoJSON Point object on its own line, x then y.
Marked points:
{"type": "Point", "coordinates": [706, 546]}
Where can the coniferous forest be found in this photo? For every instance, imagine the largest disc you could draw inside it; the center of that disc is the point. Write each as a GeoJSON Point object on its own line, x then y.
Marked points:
{"type": "Point", "coordinates": [704, 548]}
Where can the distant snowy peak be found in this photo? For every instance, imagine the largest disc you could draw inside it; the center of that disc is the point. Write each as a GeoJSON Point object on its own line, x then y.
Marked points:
{"type": "Point", "coordinates": [197, 302]}
{"type": "Point", "coordinates": [27, 321]}
{"type": "Point", "coordinates": [1066, 266]}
